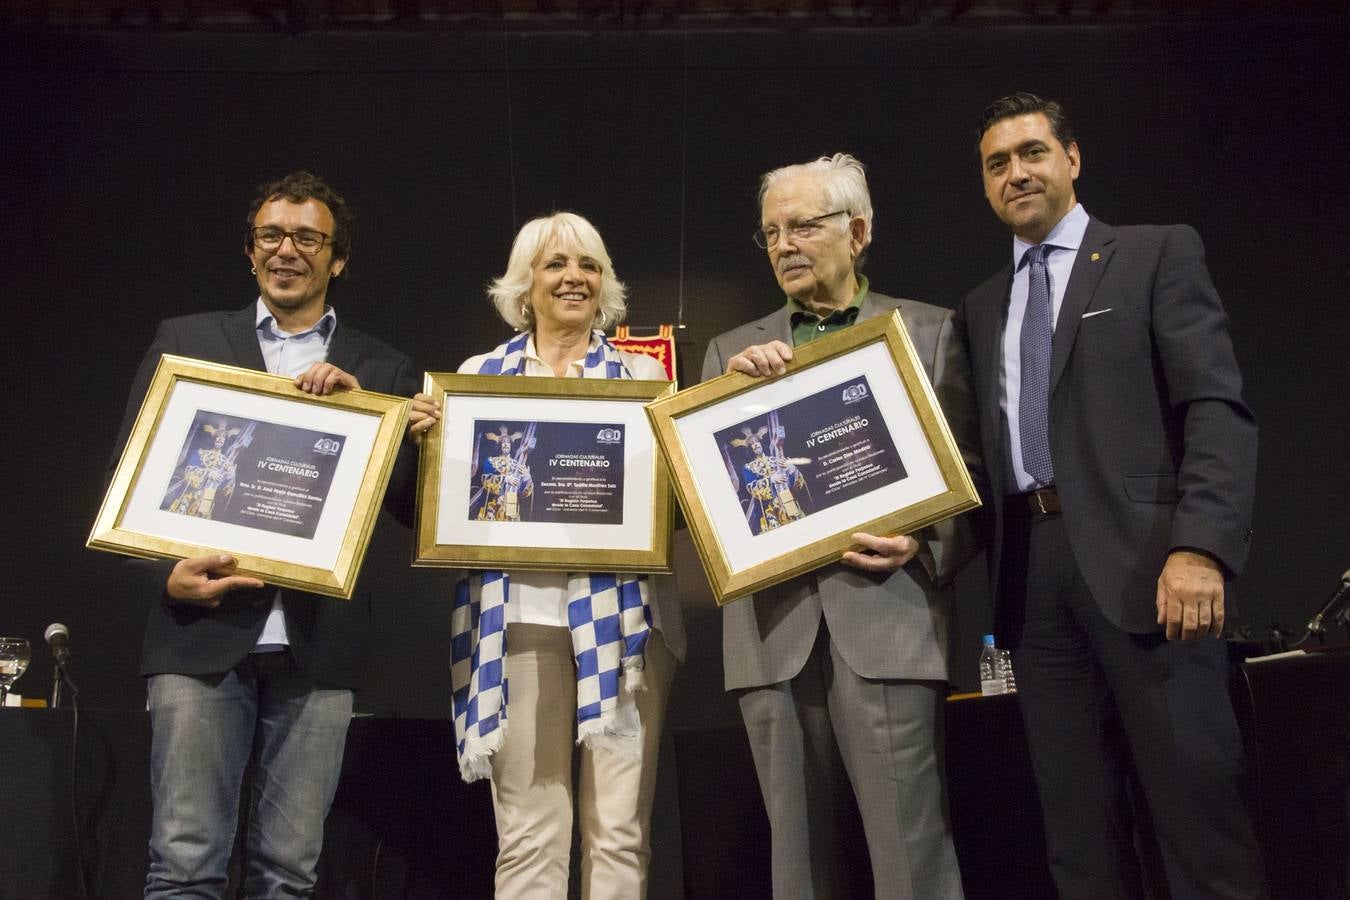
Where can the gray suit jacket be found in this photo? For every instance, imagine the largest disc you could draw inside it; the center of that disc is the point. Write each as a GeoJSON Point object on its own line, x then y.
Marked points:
{"type": "Point", "coordinates": [885, 626]}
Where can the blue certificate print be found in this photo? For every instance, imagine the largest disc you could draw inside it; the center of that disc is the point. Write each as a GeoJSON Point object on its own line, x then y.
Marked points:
{"type": "Point", "coordinates": [257, 474]}
{"type": "Point", "coordinates": [565, 472]}
{"type": "Point", "coordinates": [809, 455]}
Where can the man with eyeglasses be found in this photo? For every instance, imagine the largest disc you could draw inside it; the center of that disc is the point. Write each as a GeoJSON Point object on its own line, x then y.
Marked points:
{"type": "Point", "coordinates": [234, 667]}
{"type": "Point", "coordinates": [841, 673]}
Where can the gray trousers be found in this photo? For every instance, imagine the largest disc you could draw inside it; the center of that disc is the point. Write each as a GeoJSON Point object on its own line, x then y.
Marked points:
{"type": "Point", "coordinates": [828, 727]}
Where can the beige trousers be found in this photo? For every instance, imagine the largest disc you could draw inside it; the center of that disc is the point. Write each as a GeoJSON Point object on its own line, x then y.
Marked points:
{"type": "Point", "coordinates": [532, 791]}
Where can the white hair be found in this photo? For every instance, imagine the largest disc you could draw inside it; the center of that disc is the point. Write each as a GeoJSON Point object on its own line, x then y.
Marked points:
{"type": "Point", "coordinates": [845, 183]}
{"type": "Point", "coordinates": [510, 292]}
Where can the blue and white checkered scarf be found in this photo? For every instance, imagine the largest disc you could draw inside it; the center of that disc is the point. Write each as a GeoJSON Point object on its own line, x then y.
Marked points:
{"type": "Point", "coordinates": [602, 360]}
{"type": "Point", "coordinates": [609, 616]}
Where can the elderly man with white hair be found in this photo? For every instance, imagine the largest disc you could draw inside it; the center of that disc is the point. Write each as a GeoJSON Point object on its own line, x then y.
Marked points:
{"type": "Point", "coordinates": [841, 673]}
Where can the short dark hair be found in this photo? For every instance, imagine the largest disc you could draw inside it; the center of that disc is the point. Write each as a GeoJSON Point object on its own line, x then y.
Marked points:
{"type": "Point", "coordinates": [298, 187]}
{"type": "Point", "coordinates": [1023, 103]}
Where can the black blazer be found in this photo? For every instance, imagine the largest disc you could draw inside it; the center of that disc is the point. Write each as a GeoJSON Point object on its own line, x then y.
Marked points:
{"type": "Point", "coordinates": [327, 636]}
{"type": "Point", "coordinates": [1152, 443]}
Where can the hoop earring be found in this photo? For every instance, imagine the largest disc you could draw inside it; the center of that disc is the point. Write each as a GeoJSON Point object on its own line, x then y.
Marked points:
{"type": "Point", "coordinates": [253, 270]}
{"type": "Point", "coordinates": [604, 319]}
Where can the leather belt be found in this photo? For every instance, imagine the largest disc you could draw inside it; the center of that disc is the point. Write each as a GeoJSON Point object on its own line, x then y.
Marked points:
{"type": "Point", "coordinates": [1043, 502]}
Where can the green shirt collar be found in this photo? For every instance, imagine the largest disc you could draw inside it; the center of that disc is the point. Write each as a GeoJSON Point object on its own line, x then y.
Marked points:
{"type": "Point", "coordinates": [807, 326]}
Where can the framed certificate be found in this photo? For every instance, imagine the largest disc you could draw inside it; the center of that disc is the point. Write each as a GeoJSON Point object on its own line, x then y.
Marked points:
{"type": "Point", "coordinates": [230, 460]}
{"type": "Point", "coordinates": [776, 474]}
{"type": "Point", "coordinates": [559, 474]}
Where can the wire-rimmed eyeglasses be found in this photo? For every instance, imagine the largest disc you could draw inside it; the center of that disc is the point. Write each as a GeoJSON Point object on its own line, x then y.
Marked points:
{"type": "Point", "coordinates": [799, 230]}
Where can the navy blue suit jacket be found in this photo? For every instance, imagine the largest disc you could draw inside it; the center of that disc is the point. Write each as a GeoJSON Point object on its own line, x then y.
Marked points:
{"type": "Point", "coordinates": [1152, 443]}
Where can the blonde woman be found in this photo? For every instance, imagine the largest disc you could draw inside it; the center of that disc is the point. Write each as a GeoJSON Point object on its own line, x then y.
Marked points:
{"type": "Point", "coordinates": [560, 293]}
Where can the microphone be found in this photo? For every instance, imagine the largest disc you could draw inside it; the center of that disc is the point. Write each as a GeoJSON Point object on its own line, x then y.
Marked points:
{"type": "Point", "coordinates": [1315, 625]}
{"type": "Point", "coordinates": [58, 638]}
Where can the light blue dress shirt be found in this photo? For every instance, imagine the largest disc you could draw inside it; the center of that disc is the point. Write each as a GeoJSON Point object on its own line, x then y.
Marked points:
{"type": "Point", "coordinates": [1065, 238]}
{"type": "Point", "coordinates": [288, 354]}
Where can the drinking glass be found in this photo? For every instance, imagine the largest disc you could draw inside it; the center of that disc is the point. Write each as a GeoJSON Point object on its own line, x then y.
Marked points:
{"type": "Point", "coordinates": [14, 657]}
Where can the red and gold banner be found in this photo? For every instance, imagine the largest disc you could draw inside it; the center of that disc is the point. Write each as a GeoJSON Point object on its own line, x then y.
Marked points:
{"type": "Point", "coordinates": [660, 345]}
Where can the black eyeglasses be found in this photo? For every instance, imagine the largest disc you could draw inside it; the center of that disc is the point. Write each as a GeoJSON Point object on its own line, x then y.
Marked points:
{"type": "Point", "coordinates": [799, 230]}
{"type": "Point", "coordinates": [306, 240]}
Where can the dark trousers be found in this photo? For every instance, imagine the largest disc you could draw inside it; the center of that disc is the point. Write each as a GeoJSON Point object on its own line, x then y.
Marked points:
{"type": "Point", "coordinates": [1102, 705]}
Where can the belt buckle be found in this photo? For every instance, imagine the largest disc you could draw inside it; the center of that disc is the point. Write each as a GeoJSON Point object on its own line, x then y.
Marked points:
{"type": "Point", "coordinates": [1039, 494]}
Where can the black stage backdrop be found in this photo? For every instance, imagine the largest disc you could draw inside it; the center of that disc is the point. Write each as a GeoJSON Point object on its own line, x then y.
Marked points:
{"type": "Point", "coordinates": [127, 159]}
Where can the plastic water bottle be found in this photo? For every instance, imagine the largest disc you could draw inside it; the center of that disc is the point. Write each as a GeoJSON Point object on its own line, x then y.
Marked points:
{"type": "Point", "coordinates": [992, 680]}
{"type": "Point", "coordinates": [1005, 669]}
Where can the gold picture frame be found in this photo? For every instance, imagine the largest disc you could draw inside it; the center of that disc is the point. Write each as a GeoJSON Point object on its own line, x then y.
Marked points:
{"type": "Point", "coordinates": [577, 516]}
{"type": "Point", "coordinates": [223, 459]}
{"type": "Point", "coordinates": [745, 453]}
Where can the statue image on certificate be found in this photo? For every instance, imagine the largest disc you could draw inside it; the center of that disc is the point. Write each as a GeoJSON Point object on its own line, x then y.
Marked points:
{"type": "Point", "coordinates": [570, 472]}
{"type": "Point", "coordinates": [809, 455]}
{"type": "Point", "coordinates": [253, 473]}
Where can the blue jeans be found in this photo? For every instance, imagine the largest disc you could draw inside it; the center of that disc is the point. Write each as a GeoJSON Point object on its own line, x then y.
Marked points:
{"type": "Point", "coordinates": [204, 729]}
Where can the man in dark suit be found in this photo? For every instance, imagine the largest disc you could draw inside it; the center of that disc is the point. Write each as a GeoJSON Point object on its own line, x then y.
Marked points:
{"type": "Point", "coordinates": [841, 673]}
{"type": "Point", "coordinates": [232, 663]}
{"type": "Point", "coordinates": [1122, 458]}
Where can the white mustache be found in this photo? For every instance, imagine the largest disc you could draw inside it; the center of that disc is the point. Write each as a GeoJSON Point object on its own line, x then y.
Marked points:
{"type": "Point", "coordinates": [788, 262]}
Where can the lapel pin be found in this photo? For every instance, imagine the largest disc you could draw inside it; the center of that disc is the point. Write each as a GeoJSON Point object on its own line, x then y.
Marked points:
{"type": "Point", "coordinates": [1096, 256]}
